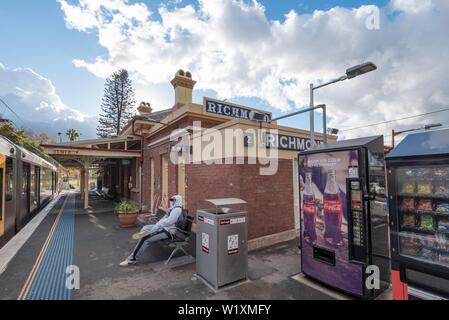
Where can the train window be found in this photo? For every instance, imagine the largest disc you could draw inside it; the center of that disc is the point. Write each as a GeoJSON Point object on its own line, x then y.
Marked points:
{"type": "Point", "coordinates": [33, 187]}
{"type": "Point", "coordinates": [25, 180]}
{"type": "Point", "coordinates": [46, 179]}
{"type": "Point", "coordinates": [9, 180]}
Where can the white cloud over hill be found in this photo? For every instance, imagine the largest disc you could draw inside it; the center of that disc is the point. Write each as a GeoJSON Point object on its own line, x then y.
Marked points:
{"type": "Point", "coordinates": [234, 49]}
{"type": "Point", "coordinates": [35, 100]}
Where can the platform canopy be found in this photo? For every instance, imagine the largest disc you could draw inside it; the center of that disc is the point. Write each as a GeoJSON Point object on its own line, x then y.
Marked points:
{"type": "Point", "coordinates": [94, 153]}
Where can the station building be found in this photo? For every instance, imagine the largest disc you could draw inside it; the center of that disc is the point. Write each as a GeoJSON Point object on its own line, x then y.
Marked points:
{"type": "Point", "coordinates": [188, 150]}
{"type": "Point", "coordinates": [205, 170]}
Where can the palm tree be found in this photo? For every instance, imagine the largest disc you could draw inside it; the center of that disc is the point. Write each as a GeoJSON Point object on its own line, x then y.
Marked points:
{"type": "Point", "coordinates": [72, 134]}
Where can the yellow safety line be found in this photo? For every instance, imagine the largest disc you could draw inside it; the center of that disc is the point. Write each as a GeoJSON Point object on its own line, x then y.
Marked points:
{"type": "Point", "coordinates": [27, 286]}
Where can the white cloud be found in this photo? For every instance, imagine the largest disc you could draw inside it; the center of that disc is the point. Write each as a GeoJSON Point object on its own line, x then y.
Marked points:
{"type": "Point", "coordinates": [413, 6]}
{"type": "Point", "coordinates": [231, 47]}
{"type": "Point", "coordinates": [34, 99]}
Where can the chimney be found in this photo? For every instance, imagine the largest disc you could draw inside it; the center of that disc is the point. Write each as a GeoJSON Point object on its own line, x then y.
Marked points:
{"type": "Point", "coordinates": [144, 108]}
{"type": "Point", "coordinates": [183, 85]}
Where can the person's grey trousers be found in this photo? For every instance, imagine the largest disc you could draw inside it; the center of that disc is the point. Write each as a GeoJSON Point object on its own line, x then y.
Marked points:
{"type": "Point", "coordinates": [155, 235]}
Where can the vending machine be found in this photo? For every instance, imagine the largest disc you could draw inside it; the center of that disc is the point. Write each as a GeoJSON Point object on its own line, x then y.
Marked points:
{"type": "Point", "coordinates": [418, 188]}
{"type": "Point", "coordinates": [344, 238]}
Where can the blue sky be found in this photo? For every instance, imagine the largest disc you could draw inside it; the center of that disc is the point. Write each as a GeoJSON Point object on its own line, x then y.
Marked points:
{"type": "Point", "coordinates": [37, 35]}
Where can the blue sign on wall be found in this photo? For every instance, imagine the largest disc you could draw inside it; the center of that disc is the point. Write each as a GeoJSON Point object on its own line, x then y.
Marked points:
{"type": "Point", "coordinates": [224, 109]}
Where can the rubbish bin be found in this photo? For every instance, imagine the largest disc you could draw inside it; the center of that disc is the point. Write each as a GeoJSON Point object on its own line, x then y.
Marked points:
{"type": "Point", "coordinates": [222, 242]}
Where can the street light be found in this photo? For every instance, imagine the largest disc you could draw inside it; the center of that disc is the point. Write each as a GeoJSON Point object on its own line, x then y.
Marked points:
{"type": "Point", "coordinates": [350, 73]}
{"type": "Point", "coordinates": [426, 127]}
{"type": "Point", "coordinates": [60, 137]}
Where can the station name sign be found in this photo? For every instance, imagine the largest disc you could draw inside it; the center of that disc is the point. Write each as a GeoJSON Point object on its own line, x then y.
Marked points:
{"type": "Point", "coordinates": [66, 152]}
{"type": "Point", "coordinates": [285, 142]}
{"type": "Point", "coordinates": [230, 110]}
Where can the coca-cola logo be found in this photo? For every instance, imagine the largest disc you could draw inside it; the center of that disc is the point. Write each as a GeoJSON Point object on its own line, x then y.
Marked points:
{"type": "Point", "coordinates": [334, 206]}
{"type": "Point", "coordinates": [309, 208]}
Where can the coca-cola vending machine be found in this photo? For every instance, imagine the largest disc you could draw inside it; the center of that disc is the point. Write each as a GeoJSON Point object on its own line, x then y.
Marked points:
{"type": "Point", "coordinates": [344, 238]}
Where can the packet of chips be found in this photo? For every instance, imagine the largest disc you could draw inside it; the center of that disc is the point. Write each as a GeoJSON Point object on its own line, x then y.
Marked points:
{"type": "Point", "coordinates": [429, 241]}
{"type": "Point", "coordinates": [422, 173]}
{"type": "Point", "coordinates": [408, 220]}
{"type": "Point", "coordinates": [425, 188]}
{"type": "Point", "coordinates": [441, 172]}
{"type": "Point", "coordinates": [443, 208]}
{"type": "Point", "coordinates": [442, 190]}
{"type": "Point", "coordinates": [426, 223]}
{"type": "Point", "coordinates": [410, 173]}
{"type": "Point", "coordinates": [443, 225]}
{"type": "Point", "coordinates": [429, 254]}
{"type": "Point", "coordinates": [408, 204]}
{"type": "Point", "coordinates": [408, 187]}
{"type": "Point", "coordinates": [425, 205]}
{"type": "Point", "coordinates": [409, 247]}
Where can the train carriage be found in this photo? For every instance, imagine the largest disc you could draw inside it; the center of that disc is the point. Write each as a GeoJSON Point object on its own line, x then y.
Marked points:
{"type": "Point", "coordinates": [27, 183]}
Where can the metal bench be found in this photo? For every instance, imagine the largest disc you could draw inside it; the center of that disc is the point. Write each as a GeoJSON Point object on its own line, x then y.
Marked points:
{"type": "Point", "coordinates": [180, 239]}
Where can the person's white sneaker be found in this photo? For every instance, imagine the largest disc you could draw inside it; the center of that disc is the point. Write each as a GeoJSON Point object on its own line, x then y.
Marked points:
{"type": "Point", "coordinates": [140, 235]}
{"type": "Point", "coordinates": [127, 263]}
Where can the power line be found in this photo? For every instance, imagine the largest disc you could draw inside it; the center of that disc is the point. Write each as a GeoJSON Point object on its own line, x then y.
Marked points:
{"type": "Point", "coordinates": [405, 118]}
{"type": "Point", "coordinates": [10, 109]}
{"type": "Point", "coordinates": [49, 159]}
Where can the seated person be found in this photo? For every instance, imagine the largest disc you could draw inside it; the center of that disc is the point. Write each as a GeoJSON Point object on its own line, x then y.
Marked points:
{"type": "Point", "coordinates": [156, 232]}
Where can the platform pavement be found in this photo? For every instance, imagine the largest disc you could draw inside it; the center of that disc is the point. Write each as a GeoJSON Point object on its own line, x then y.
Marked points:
{"type": "Point", "coordinates": [98, 244]}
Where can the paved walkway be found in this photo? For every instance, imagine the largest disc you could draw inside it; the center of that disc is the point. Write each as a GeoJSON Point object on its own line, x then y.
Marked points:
{"type": "Point", "coordinates": [93, 241]}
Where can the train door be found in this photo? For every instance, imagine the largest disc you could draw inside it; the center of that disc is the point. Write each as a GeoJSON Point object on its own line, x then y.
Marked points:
{"type": "Point", "coordinates": [7, 222]}
{"type": "Point", "coordinates": [9, 197]}
{"type": "Point", "coordinates": [33, 187]}
{"type": "Point", "coordinates": [24, 207]}
{"type": "Point", "coordinates": [164, 168]}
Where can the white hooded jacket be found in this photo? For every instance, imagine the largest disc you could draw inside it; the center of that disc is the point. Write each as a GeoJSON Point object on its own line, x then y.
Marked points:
{"type": "Point", "coordinates": [168, 222]}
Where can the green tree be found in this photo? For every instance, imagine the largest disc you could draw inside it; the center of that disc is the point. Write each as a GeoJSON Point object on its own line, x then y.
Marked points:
{"type": "Point", "coordinates": [72, 134]}
{"type": "Point", "coordinates": [20, 138]}
{"type": "Point", "coordinates": [116, 104]}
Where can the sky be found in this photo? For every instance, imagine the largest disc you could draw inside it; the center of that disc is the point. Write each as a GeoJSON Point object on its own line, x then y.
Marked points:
{"type": "Point", "coordinates": [56, 54]}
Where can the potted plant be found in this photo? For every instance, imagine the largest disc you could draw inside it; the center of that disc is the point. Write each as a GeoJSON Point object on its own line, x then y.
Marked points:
{"type": "Point", "coordinates": [126, 213]}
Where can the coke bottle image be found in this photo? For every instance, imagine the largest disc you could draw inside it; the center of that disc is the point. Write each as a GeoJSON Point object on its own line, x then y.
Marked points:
{"type": "Point", "coordinates": [309, 209]}
{"type": "Point", "coordinates": [333, 210]}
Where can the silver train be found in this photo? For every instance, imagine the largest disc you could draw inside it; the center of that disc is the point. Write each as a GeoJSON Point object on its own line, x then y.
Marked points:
{"type": "Point", "coordinates": [28, 183]}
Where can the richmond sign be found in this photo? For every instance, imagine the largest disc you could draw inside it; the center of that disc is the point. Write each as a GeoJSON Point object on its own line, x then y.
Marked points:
{"type": "Point", "coordinates": [230, 110]}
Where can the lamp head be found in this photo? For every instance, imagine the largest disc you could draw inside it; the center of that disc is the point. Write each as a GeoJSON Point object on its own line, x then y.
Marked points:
{"type": "Point", "coordinates": [360, 69]}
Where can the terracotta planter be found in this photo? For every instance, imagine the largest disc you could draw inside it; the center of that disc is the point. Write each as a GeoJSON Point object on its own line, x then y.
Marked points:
{"type": "Point", "coordinates": [128, 219]}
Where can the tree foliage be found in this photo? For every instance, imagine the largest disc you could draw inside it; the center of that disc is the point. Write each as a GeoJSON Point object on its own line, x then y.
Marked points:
{"type": "Point", "coordinates": [72, 134]}
{"type": "Point", "coordinates": [116, 104]}
{"type": "Point", "coordinates": [26, 139]}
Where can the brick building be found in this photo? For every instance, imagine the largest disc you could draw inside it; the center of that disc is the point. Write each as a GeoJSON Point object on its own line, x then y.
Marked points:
{"type": "Point", "coordinates": [203, 172]}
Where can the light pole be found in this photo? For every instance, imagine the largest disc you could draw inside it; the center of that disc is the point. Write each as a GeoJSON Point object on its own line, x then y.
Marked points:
{"type": "Point", "coordinates": [350, 73]}
{"type": "Point", "coordinates": [60, 137]}
{"type": "Point", "coordinates": [426, 127]}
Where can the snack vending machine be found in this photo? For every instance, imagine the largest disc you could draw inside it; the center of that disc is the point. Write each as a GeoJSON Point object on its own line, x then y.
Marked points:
{"type": "Point", "coordinates": [418, 187]}
{"type": "Point", "coordinates": [344, 240]}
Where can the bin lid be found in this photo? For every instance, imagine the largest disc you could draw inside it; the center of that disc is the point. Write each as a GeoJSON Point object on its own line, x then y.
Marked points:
{"type": "Point", "coordinates": [225, 201]}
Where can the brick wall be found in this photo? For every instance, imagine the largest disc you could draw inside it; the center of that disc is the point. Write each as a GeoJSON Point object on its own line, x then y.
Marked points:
{"type": "Point", "coordinates": [269, 198]}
